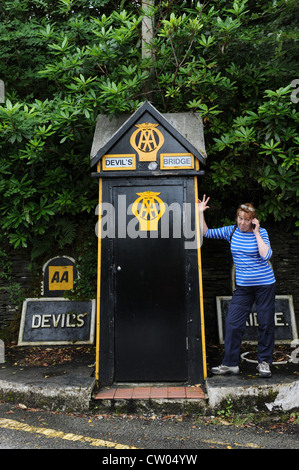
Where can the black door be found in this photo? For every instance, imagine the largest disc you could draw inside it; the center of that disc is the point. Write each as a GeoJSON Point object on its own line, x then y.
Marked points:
{"type": "Point", "coordinates": [150, 318]}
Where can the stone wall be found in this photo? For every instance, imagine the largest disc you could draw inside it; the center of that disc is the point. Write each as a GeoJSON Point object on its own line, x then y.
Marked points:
{"type": "Point", "coordinates": [13, 289]}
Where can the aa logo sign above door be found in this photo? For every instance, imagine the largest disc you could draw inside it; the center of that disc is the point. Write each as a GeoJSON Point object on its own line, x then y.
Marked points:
{"type": "Point", "coordinates": [147, 140]}
{"type": "Point", "coordinates": [148, 209]}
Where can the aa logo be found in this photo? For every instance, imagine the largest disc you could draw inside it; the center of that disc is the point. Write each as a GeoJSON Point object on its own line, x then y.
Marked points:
{"type": "Point", "coordinates": [61, 277]}
{"type": "Point", "coordinates": [148, 209]}
{"type": "Point", "coordinates": [147, 140]}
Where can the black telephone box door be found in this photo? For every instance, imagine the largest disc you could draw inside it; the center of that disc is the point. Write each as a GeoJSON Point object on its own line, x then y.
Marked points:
{"type": "Point", "coordinates": [150, 324]}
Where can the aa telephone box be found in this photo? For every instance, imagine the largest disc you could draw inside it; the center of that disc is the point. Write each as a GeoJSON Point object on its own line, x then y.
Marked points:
{"type": "Point", "coordinates": [150, 319]}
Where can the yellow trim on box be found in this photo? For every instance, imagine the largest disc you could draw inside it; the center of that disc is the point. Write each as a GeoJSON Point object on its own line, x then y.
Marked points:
{"type": "Point", "coordinates": [202, 320]}
{"type": "Point", "coordinates": [99, 268]}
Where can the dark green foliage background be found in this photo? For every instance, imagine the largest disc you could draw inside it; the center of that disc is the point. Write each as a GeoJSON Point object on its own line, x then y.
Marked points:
{"type": "Point", "coordinates": [64, 62]}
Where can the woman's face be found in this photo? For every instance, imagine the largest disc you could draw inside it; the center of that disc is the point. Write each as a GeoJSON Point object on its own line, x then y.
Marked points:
{"type": "Point", "coordinates": [244, 222]}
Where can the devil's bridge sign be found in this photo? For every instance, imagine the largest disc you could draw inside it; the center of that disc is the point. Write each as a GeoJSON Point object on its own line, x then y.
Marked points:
{"type": "Point", "coordinates": [56, 321]}
{"type": "Point", "coordinates": [53, 319]}
{"type": "Point", "coordinates": [284, 320]}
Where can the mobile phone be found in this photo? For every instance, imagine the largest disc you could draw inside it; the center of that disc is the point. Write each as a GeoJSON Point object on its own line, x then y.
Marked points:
{"type": "Point", "coordinates": [253, 226]}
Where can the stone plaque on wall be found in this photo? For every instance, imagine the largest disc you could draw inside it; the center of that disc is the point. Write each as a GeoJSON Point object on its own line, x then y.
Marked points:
{"type": "Point", "coordinates": [54, 321]}
{"type": "Point", "coordinates": [60, 274]}
{"type": "Point", "coordinates": [285, 324]}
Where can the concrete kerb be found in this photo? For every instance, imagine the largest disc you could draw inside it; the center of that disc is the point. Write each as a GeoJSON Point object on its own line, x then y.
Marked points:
{"type": "Point", "coordinates": [161, 406]}
{"type": "Point", "coordinates": [65, 389]}
{"type": "Point", "coordinates": [69, 388]}
{"type": "Point", "coordinates": [217, 395]}
{"type": "Point", "coordinates": [79, 398]}
{"type": "Point", "coordinates": [243, 395]}
{"type": "Point", "coordinates": [271, 395]}
{"type": "Point", "coordinates": [50, 398]}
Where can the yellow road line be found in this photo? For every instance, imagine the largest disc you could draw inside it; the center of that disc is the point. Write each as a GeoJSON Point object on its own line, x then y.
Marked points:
{"type": "Point", "coordinates": [52, 433]}
{"type": "Point", "coordinates": [229, 444]}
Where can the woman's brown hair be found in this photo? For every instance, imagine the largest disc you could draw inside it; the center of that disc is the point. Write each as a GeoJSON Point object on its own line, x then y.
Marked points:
{"type": "Point", "coordinates": [248, 208]}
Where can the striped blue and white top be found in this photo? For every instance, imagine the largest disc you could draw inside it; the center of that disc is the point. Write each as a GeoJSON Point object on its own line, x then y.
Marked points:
{"type": "Point", "coordinates": [251, 268]}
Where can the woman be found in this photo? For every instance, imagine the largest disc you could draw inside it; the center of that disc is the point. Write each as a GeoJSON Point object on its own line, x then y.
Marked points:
{"type": "Point", "coordinates": [255, 282]}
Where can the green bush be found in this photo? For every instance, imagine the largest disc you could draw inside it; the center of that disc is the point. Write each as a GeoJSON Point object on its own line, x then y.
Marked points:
{"type": "Point", "coordinates": [65, 62]}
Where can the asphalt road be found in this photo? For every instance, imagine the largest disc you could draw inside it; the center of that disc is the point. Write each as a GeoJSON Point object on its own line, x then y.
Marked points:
{"type": "Point", "coordinates": [173, 436]}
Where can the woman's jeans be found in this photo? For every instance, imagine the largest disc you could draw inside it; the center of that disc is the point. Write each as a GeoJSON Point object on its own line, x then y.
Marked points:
{"type": "Point", "coordinates": [235, 323]}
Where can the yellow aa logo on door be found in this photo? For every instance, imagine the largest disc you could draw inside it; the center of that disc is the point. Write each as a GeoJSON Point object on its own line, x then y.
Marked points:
{"type": "Point", "coordinates": [147, 140]}
{"type": "Point", "coordinates": [148, 209]}
{"type": "Point", "coordinates": [61, 277]}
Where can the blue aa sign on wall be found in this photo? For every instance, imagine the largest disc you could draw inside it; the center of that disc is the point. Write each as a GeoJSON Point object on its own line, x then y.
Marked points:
{"type": "Point", "coordinates": [285, 323]}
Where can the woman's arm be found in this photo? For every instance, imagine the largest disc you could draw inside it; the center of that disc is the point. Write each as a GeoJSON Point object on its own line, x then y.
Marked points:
{"type": "Point", "coordinates": [202, 206]}
{"type": "Point", "coordinates": [262, 246]}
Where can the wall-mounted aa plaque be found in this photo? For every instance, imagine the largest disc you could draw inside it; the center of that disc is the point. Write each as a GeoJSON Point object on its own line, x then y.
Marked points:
{"type": "Point", "coordinates": [54, 321]}
{"type": "Point", "coordinates": [60, 274]}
